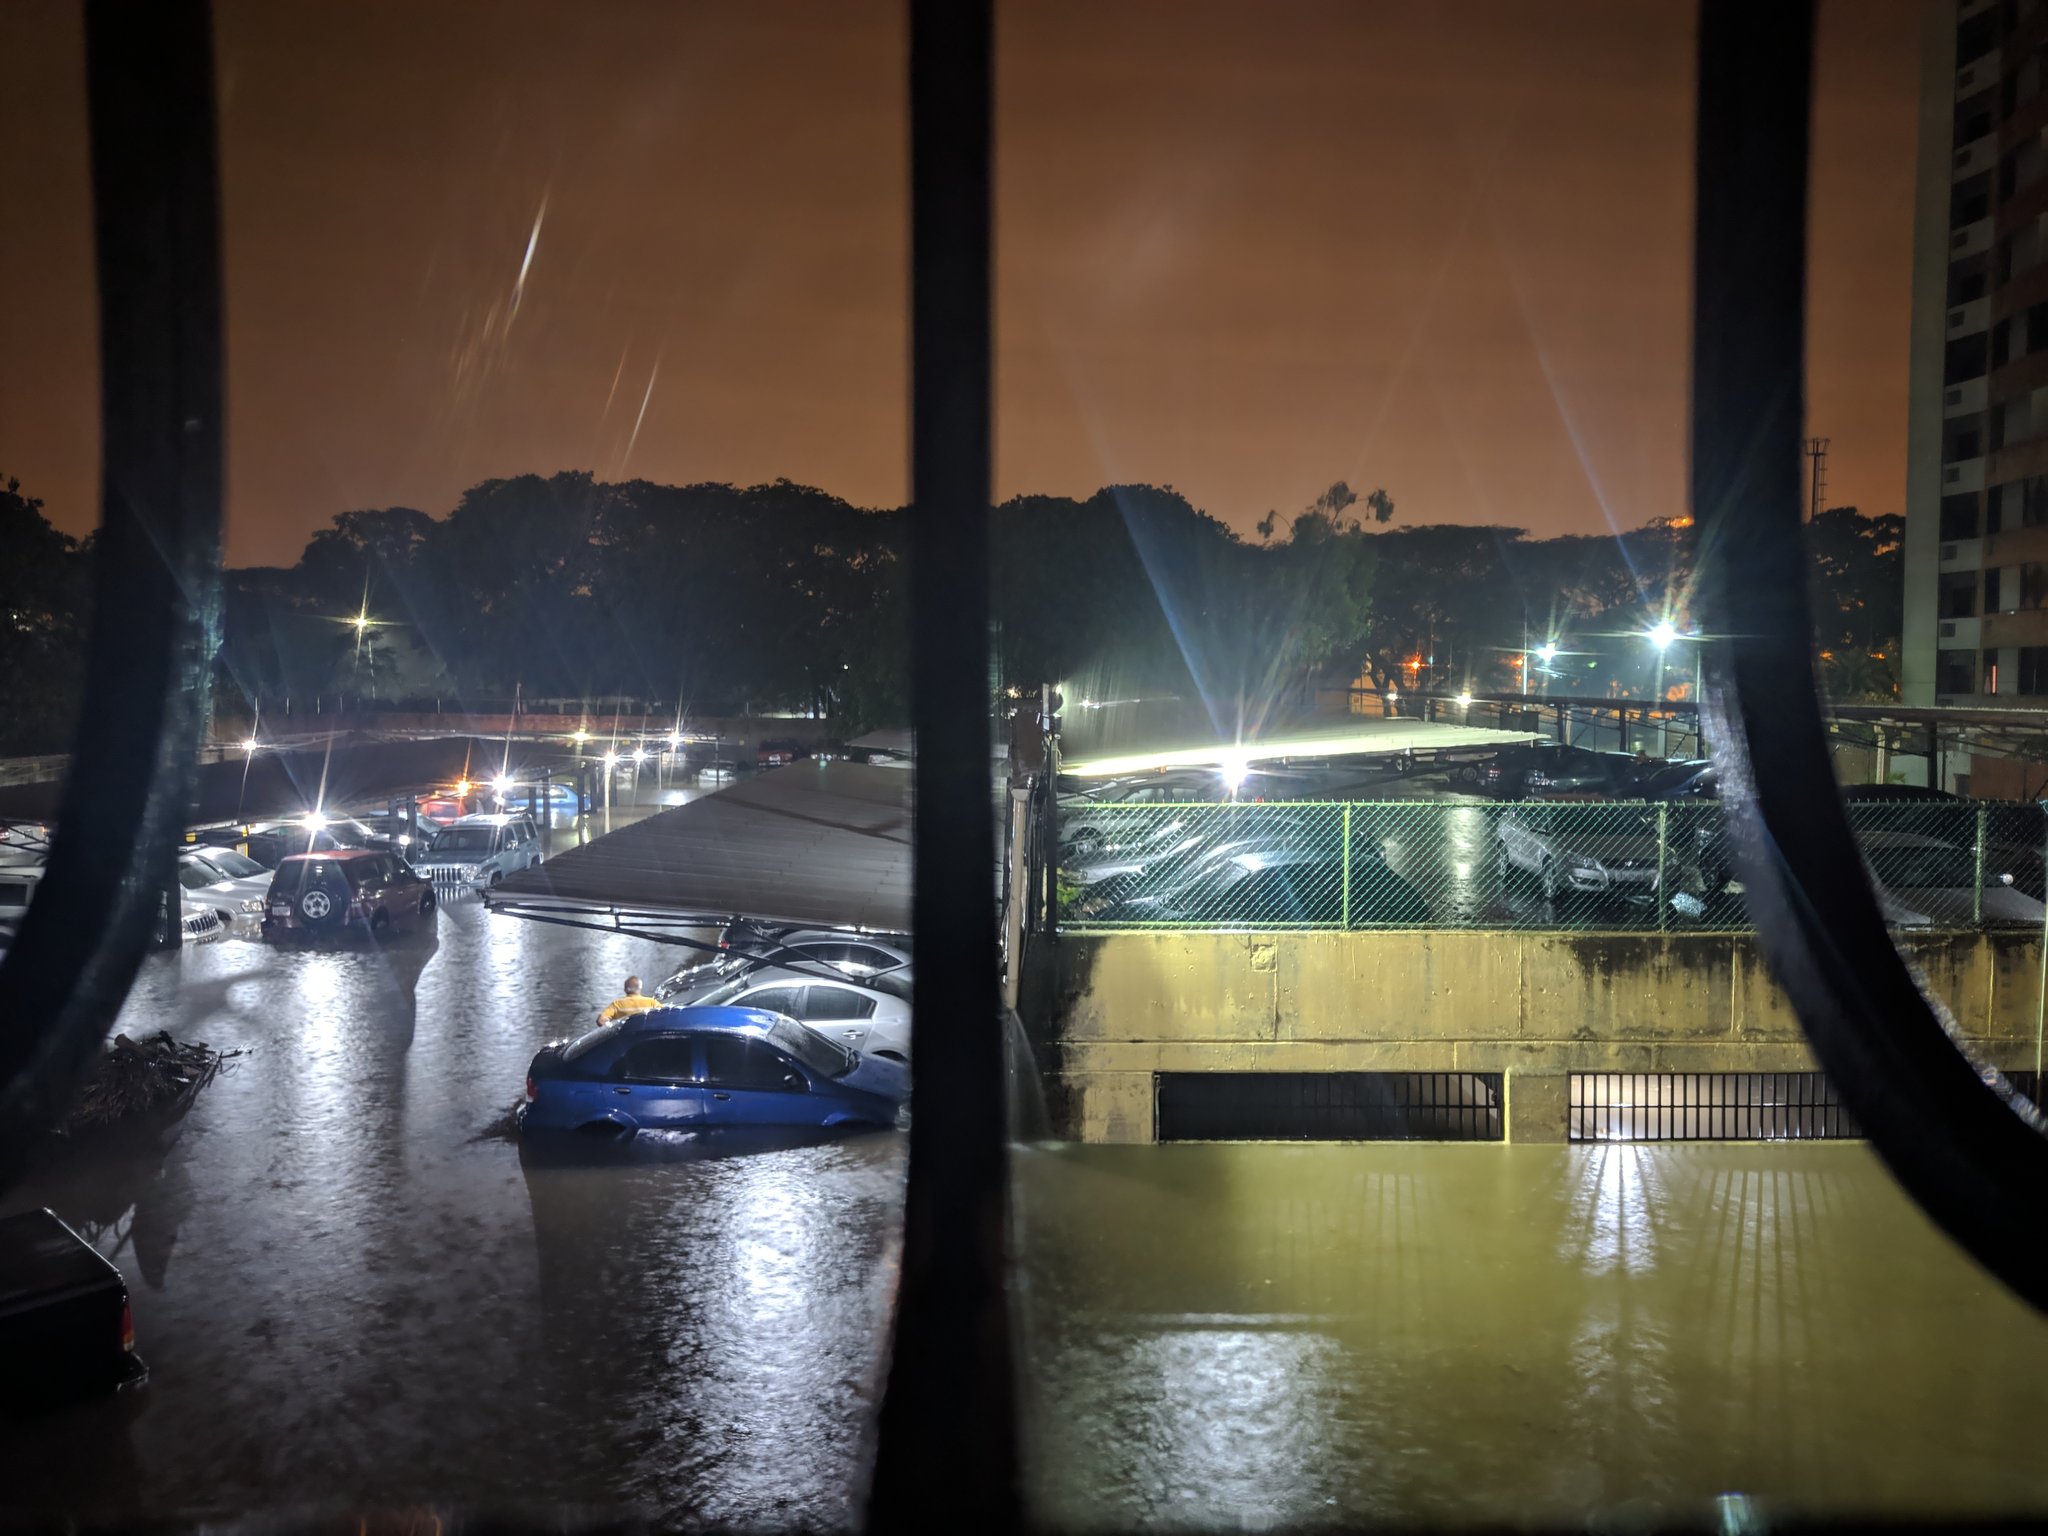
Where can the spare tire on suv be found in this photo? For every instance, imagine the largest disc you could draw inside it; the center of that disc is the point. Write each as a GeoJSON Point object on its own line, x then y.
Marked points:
{"type": "Point", "coordinates": [321, 901]}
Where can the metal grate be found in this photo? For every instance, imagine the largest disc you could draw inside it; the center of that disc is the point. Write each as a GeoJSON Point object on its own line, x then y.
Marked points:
{"type": "Point", "coordinates": [1706, 1106]}
{"type": "Point", "coordinates": [1328, 1106]}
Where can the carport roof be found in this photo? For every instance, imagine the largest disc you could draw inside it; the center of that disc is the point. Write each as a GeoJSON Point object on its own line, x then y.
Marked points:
{"type": "Point", "coordinates": [1354, 737]}
{"type": "Point", "coordinates": [812, 843]}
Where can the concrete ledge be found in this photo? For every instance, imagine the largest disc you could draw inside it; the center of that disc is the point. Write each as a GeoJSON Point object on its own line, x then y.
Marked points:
{"type": "Point", "coordinates": [1119, 1007]}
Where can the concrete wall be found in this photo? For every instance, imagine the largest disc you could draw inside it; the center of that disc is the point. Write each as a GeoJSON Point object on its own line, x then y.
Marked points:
{"type": "Point", "coordinates": [1117, 1008]}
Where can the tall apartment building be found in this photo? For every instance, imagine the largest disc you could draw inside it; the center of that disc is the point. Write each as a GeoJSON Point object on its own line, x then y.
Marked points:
{"type": "Point", "coordinates": [1976, 602]}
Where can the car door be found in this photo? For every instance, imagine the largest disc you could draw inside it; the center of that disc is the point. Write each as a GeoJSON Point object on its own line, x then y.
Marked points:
{"type": "Point", "coordinates": [654, 1082]}
{"type": "Point", "coordinates": [773, 997]}
{"type": "Point", "coordinates": [746, 1081]}
{"type": "Point", "coordinates": [838, 1013]}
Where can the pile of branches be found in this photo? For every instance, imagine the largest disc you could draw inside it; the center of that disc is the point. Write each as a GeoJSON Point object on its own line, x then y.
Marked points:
{"type": "Point", "coordinates": [140, 1077]}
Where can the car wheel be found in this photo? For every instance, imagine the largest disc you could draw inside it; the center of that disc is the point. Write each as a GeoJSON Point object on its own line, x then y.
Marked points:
{"type": "Point", "coordinates": [497, 877]}
{"type": "Point", "coordinates": [1551, 884]}
{"type": "Point", "coordinates": [1469, 774]}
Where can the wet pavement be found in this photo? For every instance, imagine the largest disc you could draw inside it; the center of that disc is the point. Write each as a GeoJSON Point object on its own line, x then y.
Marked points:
{"type": "Point", "coordinates": [352, 1288]}
{"type": "Point", "coordinates": [355, 1288]}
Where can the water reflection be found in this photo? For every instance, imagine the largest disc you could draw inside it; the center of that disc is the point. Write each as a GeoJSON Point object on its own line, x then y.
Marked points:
{"type": "Point", "coordinates": [1472, 1334]}
{"type": "Point", "coordinates": [352, 1290]}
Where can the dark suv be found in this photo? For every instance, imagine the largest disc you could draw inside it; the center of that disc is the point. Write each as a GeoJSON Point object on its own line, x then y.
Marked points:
{"type": "Point", "coordinates": [324, 895]}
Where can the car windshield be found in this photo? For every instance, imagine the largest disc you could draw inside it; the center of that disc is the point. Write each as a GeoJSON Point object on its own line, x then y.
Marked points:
{"type": "Point", "coordinates": [196, 876]}
{"type": "Point", "coordinates": [462, 840]}
{"type": "Point", "coordinates": [233, 865]}
{"type": "Point", "coordinates": [1934, 866]}
{"type": "Point", "coordinates": [812, 1049]}
{"type": "Point", "coordinates": [590, 1040]}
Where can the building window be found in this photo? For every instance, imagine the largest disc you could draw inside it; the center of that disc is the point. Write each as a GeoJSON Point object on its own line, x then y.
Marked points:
{"type": "Point", "coordinates": [2019, 504]}
{"type": "Point", "coordinates": [1958, 518]}
{"type": "Point", "coordinates": [2033, 669]}
{"type": "Point", "coordinates": [1968, 279]}
{"type": "Point", "coordinates": [1965, 360]}
{"type": "Point", "coordinates": [1968, 442]}
{"type": "Point", "coordinates": [1959, 595]}
{"type": "Point", "coordinates": [1956, 671]}
{"type": "Point", "coordinates": [1997, 584]}
{"type": "Point", "coordinates": [2033, 588]}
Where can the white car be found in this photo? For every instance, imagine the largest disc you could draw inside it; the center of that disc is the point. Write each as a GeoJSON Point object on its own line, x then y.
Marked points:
{"type": "Point", "coordinates": [480, 851]}
{"type": "Point", "coordinates": [1583, 850]}
{"type": "Point", "coordinates": [856, 955]}
{"type": "Point", "coordinates": [1923, 882]}
{"type": "Point", "coordinates": [234, 885]}
{"type": "Point", "coordinates": [871, 1015]}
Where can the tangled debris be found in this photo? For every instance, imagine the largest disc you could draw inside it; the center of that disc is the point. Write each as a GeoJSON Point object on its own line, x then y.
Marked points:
{"type": "Point", "coordinates": [139, 1077]}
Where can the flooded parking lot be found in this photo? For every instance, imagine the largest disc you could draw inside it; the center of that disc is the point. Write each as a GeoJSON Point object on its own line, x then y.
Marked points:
{"type": "Point", "coordinates": [354, 1287]}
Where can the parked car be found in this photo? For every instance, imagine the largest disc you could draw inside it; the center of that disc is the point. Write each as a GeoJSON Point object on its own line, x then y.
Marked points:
{"type": "Point", "coordinates": [1677, 782]}
{"type": "Point", "coordinates": [559, 799]}
{"type": "Point", "coordinates": [1581, 770]}
{"type": "Point", "coordinates": [1271, 885]}
{"type": "Point", "coordinates": [325, 895]}
{"type": "Point", "coordinates": [24, 858]}
{"type": "Point", "coordinates": [204, 878]}
{"type": "Point", "coordinates": [1923, 882]}
{"type": "Point", "coordinates": [702, 1068]}
{"type": "Point", "coordinates": [871, 1015]}
{"type": "Point", "coordinates": [718, 771]}
{"type": "Point", "coordinates": [271, 843]}
{"type": "Point", "coordinates": [66, 1330]}
{"type": "Point", "coordinates": [1577, 854]}
{"type": "Point", "coordinates": [480, 851]}
{"type": "Point", "coordinates": [745, 944]}
{"type": "Point", "coordinates": [779, 753]}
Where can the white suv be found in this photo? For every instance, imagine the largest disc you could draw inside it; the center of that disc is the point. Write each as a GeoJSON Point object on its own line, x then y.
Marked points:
{"type": "Point", "coordinates": [480, 851]}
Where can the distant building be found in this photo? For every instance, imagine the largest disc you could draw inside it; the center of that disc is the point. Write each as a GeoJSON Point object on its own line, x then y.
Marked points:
{"type": "Point", "coordinates": [1976, 601]}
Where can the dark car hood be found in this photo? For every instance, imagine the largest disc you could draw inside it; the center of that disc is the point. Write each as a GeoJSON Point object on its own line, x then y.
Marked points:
{"type": "Point", "coordinates": [877, 1075]}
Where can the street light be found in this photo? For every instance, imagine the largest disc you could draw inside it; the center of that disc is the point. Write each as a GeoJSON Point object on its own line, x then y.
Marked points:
{"type": "Point", "coordinates": [1464, 701]}
{"type": "Point", "coordinates": [1546, 653]}
{"type": "Point", "coordinates": [1662, 633]}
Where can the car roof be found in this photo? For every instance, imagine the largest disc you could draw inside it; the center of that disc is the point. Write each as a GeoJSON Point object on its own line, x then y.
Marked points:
{"type": "Point", "coordinates": [337, 855]}
{"type": "Point", "coordinates": [488, 818]}
{"type": "Point", "coordinates": [706, 1017]}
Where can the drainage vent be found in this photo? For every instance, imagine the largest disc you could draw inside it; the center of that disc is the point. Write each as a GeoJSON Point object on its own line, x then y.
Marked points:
{"type": "Point", "coordinates": [1706, 1106]}
{"type": "Point", "coordinates": [1328, 1106]}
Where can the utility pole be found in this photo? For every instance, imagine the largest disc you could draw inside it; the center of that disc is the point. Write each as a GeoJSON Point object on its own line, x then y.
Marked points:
{"type": "Point", "coordinates": [1817, 484]}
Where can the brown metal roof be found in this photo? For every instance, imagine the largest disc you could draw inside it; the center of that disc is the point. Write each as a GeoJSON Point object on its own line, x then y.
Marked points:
{"type": "Point", "coordinates": [813, 843]}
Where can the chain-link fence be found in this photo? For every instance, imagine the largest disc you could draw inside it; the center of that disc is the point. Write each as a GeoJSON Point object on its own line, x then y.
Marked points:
{"type": "Point", "coordinates": [1533, 864]}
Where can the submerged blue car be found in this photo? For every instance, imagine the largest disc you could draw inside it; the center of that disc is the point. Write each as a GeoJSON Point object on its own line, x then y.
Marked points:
{"type": "Point", "coordinates": [688, 1069]}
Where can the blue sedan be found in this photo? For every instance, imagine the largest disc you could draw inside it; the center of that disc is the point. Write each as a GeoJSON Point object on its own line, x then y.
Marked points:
{"type": "Point", "coordinates": [690, 1069]}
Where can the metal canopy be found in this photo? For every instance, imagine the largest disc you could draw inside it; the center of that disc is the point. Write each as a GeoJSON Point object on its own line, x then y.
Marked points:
{"type": "Point", "coordinates": [1347, 738]}
{"type": "Point", "coordinates": [815, 844]}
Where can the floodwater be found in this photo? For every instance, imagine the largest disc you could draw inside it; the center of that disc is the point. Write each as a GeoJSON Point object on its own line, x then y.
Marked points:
{"type": "Point", "coordinates": [1273, 1336]}
{"type": "Point", "coordinates": [354, 1289]}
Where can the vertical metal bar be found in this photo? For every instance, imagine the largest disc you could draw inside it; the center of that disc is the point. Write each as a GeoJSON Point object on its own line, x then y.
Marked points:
{"type": "Point", "coordinates": [947, 1433]}
{"type": "Point", "coordinates": [1663, 864]}
{"type": "Point", "coordinates": [1977, 885]}
{"type": "Point", "coordinates": [1347, 866]}
{"type": "Point", "coordinates": [156, 576]}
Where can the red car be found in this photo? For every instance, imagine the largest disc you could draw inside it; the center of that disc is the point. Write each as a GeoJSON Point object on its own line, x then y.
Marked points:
{"type": "Point", "coordinates": [325, 895]}
{"type": "Point", "coordinates": [774, 754]}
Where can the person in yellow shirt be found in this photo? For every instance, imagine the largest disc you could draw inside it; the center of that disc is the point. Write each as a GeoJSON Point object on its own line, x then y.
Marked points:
{"type": "Point", "coordinates": [634, 1001]}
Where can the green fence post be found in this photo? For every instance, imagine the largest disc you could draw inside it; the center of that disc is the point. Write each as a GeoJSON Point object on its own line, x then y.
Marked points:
{"type": "Point", "coordinates": [1347, 866]}
{"type": "Point", "coordinates": [1977, 885]}
{"type": "Point", "coordinates": [1663, 863]}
